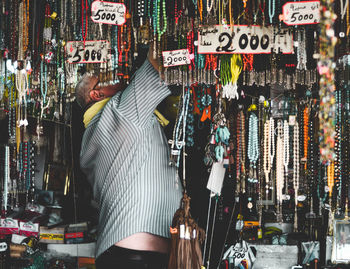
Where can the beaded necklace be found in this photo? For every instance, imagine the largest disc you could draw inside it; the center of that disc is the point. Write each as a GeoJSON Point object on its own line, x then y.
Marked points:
{"type": "Point", "coordinates": [243, 148]}
{"type": "Point", "coordinates": [6, 179]}
{"type": "Point", "coordinates": [322, 182]}
{"type": "Point", "coordinates": [272, 5]}
{"type": "Point", "coordinates": [296, 167]}
{"type": "Point", "coordinates": [84, 19]}
{"type": "Point", "coordinates": [12, 110]}
{"type": "Point", "coordinates": [330, 184]}
{"type": "Point", "coordinates": [279, 170]}
{"type": "Point", "coordinates": [210, 4]}
{"type": "Point", "coordinates": [306, 134]}
{"type": "Point", "coordinates": [160, 31]}
{"type": "Point", "coordinates": [286, 151]}
{"type": "Point", "coordinates": [141, 10]}
{"type": "Point", "coordinates": [253, 147]}
{"type": "Point", "coordinates": [272, 140]}
{"type": "Point", "coordinates": [31, 178]}
{"type": "Point", "coordinates": [238, 151]}
{"type": "Point", "coordinates": [22, 87]}
{"type": "Point", "coordinates": [179, 129]}
{"type": "Point", "coordinates": [43, 81]}
{"type": "Point", "coordinates": [267, 146]}
{"type": "Point", "coordinates": [338, 146]}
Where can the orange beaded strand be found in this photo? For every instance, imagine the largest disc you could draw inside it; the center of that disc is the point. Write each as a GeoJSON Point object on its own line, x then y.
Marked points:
{"type": "Point", "coordinates": [306, 134]}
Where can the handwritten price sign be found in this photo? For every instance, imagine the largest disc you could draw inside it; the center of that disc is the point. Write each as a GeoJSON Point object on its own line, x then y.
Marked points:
{"type": "Point", "coordinates": [176, 57]}
{"type": "Point", "coordinates": [94, 51]}
{"type": "Point", "coordinates": [108, 12]}
{"type": "Point", "coordinates": [304, 12]}
{"type": "Point", "coordinates": [243, 39]}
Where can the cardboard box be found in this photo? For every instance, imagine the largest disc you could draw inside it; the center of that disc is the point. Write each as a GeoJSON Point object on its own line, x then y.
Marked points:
{"type": "Point", "coordinates": [275, 256]}
{"type": "Point", "coordinates": [51, 236]}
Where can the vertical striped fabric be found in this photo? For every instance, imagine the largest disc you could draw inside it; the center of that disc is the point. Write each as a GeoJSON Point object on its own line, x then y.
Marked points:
{"type": "Point", "coordinates": [126, 159]}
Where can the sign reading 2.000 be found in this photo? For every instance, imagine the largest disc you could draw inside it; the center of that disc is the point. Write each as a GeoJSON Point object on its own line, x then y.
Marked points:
{"type": "Point", "coordinates": [176, 57]}
{"type": "Point", "coordinates": [93, 51]}
{"type": "Point", "coordinates": [221, 39]}
{"type": "Point", "coordinates": [108, 12]}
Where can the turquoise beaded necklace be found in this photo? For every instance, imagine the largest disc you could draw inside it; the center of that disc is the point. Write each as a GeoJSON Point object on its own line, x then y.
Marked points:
{"type": "Point", "coordinates": [272, 5]}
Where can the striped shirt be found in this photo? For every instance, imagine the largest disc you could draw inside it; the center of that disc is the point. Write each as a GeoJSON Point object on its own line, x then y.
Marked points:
{"type": "Point", "coordinates": [126, 159]}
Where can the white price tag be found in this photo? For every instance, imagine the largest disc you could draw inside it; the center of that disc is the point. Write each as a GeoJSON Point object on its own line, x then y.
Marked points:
{"type": "Point", "coordinates": [301, 198]}
{"type": "Point", "coordinates": [29, 227]}
{"type": "Point", "coordinates": [108, 12]}
{"type": "Point", "coordinates": [94, 51]}
{"type": "Point", "coordinates": [304, 12]}
{"type": "Point", "coordinates": [176, 57]}
{"type": "Point", "coordinates": [243, 39]}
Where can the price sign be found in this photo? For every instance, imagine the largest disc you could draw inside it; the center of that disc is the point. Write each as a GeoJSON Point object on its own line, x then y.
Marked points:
{"type": "Point", "coordinates": [244, 40]}
{"type": "Point", "coordinates": [304, 12]}
{"type": "Point", "coordinates": [108, 12]}
{"type": "Point", "coordinates": [94, 51]}
{"type": "Point", "coordinates": [176, 57]}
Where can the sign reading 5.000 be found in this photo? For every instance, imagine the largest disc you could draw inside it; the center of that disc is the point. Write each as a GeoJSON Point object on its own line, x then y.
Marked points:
{"type": "Point", "coordinates": [93, 51]}
{"type": "Point", "coordinates": [108, 12]}
{"type": "Point", "coordinates": [244, 39]}
{"type": "Point", "coordinates": [303, 12]}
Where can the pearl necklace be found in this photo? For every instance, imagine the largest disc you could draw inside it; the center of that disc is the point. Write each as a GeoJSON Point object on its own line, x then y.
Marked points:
{"type": "Point", "coordinates": [343, 8]}
{"type": "Point", "coordinates": [253, 146]}
{"type": "Point", "coordinates": [266, 157]}
{"type": "Point", "coordinates": [296, 167]}
{"type": "Point", "coordinates": [272, 140]}
{"type": "Point", "coordinates": [6, 177]}
{"type": "Point", "coordinates": [286, 148]}
{"type": "Point", "coordinates": [279, 170]}
{"type": "Point", "coordinates": [210, 6]}
{"type": "Point", "coordinates": [22, 87]}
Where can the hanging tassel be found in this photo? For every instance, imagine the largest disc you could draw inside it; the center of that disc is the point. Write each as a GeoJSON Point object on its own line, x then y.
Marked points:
{"type": "Point", "coordinates": [173, 248]}
{"type": "Point", "coordinates": [188, 248]}
{"type": "Point", "coordinates": [186, 238]}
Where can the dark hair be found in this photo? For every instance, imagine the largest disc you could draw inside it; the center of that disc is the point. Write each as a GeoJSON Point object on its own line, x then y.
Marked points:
{"type": "Point", "coordinates": [82, 91]}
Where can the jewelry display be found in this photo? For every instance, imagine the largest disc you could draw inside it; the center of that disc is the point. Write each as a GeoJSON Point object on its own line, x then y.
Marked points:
{"type": "Point", "coordinates": [264, 93]}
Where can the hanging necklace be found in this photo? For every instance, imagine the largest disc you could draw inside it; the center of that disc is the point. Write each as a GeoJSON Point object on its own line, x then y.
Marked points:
{"type": "Point", "coordinates": [22, 87]}
{"type": "Point", "coordinates": [176, 144]}
{"type": "Point", "coordinates": [210, 4]}
{"type": "Point", "coordinates": [343, 8]}
{"type": "Point", "coordinates": [84, 19]}
{"type": "Point", "coordinates": [272, 5]}
{"type": "Point", "coordinates": [272, 140]}
{"type": "Point", "coordinates": [12, 110]}
{"type": "Point", "coordinates": [6, 179]}
{"type": "Point", "coordinates": [238, 152]}
{"type": "Point", "coordinates": [253, 146]}
{"type": "Point", "coordinates": [330, 184]}
{"type": "Point", "coordinates": [266, 157]}
{"type": "Point", "coordinates": [279, 170]}
{"type": "Point", "coordinates": [306, 135]}
{"type": "Point", "coordinates": [286, 151]}
{"type": "Point", "coordinates": [296, 167]}
{"type": "Point", "coordinates": [160, 31]}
